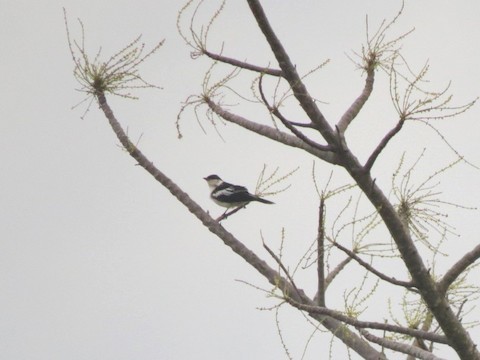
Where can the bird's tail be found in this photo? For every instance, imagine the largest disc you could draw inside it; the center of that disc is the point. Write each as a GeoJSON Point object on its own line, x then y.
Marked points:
{"type": "Point", "coordinates": [263, 200]}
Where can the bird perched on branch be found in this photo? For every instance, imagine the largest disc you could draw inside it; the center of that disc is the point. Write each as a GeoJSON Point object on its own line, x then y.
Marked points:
{"type": "Point", "coordinates": [229, 195]}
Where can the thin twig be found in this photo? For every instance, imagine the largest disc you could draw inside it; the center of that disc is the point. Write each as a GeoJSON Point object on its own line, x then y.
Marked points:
{"type": "Point", "coordinates": [321, 253]}
{"type": "Point", "coordinates": [287, 123]}
{"type": "Point", "coordinates": [287, 273]}
{"type": "Point", "coordinates": [406, 284]}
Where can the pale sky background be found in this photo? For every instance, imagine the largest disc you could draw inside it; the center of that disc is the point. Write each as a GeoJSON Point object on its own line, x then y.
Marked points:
{"type": "Point", "coordinates": [98, 261]}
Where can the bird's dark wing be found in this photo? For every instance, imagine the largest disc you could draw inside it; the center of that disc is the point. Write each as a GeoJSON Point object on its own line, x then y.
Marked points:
{"type": "Point", "coordinates": [230, 193]}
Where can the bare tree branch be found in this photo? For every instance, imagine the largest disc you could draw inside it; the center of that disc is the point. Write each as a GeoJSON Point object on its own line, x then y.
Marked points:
{"type": "Point", "coordinates": [404, 348]}
{"type": "Point", "coordinates": [332, 274]}
{"type": "Point", "coordinates": [391, 280]}
{"type": "Point", "coordinates": [383, 143]}
{"type": "Point", "coordinates": [288, 124]}
{"type": "Point", "coordinates": [298, 124]}
{"type": "Point", "coordinates": [457, 269]}
{"type": "Point", "coordinates": [285, 270]}
{"type": "Point", "coordinates": [368, 324]}
{"type": "Point", "coordinates": [243, 65]}
{"type": "Point", "coordinates": [321, 254]}
{"type": "Point", "coordinates": [357, 105]}
{"type": "Point", "coordinates": [270, 132]}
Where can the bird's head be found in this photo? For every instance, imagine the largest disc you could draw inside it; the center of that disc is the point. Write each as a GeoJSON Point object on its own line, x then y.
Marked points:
{"type": "Point", "coordinates": [213, 180]}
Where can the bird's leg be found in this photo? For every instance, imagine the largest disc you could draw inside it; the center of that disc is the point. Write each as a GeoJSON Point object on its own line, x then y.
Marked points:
{"type": "Point", "coordinates": [226, 214]}
{"type": "Point", "coordinates": [223, 216]}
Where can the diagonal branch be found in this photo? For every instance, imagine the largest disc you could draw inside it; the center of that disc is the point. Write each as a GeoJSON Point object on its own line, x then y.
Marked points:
{"type": "Point", "coordinates": [357, 105]}
{"type": "Point", "coordinates": [403, 348]}
{"type": "Point", "coordinates": [391, 280]}
{"type": "Point", "coordinates": [243, 65]}
{"type": "Point", "coordinates": [313, 309]}
{"type": "Point", "coordinates": [371, 160]}
{"type": "Point", "coordinates": [271, 133]}
{"type": "Point", "coordinates": [332, 274]}
{"type": "Point", "coordinates": [457, 269]}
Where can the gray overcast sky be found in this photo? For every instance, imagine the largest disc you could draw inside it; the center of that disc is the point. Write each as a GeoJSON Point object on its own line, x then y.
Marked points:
{"type": "Point", "coordinates": [97, 261]}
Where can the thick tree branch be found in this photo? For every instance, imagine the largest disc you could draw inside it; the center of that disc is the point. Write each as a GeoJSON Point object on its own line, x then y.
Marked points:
{"type": "Point", "coordinates": [403, 348]}
{"type": "Point", "coordinates": [351, 339]}
{"type": "Point", "coordinates": [357, 105]}
{"type": "Point", "coordinates": [383, 143]}
{"type": "Point", "coordinates": [290, 74]}
{"type": "Point", "coordinates": [271, 133]}
{"type": "Point", "coordinates": [458, 268]}
{"type": "Point", "coordinates": [391, 280]}
{"type": "Point", "coordinates": [243, 65]}
{"type": "Point", "coordinates": [441, 339]}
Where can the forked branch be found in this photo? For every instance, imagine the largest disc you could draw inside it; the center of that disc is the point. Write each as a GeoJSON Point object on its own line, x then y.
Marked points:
{"type": "Point", "coordinates": [288, 124]}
